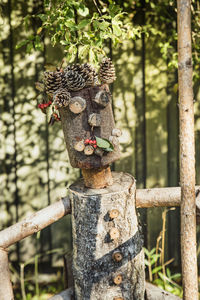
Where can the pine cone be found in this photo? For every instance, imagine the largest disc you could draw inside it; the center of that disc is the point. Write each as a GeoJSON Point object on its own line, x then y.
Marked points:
{"type": "Point", "coordinates": [107, 71]}
{"type": "Point", "coordinates": [74, 81]}
{"type": "Point", "coordinates": [88, 73]}
{"type": "Point", "coordinates": [61, 98]}
{"type": "Point", "coordinates": [53, 81]}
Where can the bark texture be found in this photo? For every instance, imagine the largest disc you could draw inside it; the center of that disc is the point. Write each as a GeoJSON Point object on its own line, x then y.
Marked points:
{"type": "Point", "coordinates": [34, 223]}
{"type": "Point", "coordinates": [6, 292]}
{"type": "Point", "coordinates": [97, 178]}
{"type": "Point", "coordinates": [187, 153]}
{"type": "Point", "coordinates": [99, 233]}
{"type": "Point", "coordinates": [76, 128]}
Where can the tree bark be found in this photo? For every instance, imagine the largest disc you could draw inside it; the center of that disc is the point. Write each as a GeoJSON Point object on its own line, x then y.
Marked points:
{"type": "Point", "coordinates": [6, 292]}
{"type": "Point", "coordinates": [187, 153]}
{"type": "Point", "coordinates": [105, 228]}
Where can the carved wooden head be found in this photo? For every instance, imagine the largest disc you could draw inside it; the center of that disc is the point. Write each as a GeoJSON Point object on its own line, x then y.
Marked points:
{"type": "Point", "coordinates": [89, 128]}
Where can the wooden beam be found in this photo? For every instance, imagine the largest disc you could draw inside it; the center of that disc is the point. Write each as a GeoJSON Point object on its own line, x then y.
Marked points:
{"type": "Point", "coordinates": [187, 153]}
{"type": "Point", "coordinates": [35, 222]}
{"type": "Point", "coordinates": [6, 291]}
{"type": "Point", "coordinates": [158, 197]}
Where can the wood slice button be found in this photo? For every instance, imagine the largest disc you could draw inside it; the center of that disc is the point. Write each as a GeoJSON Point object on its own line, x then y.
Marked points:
{"type": "Point", "coordinates": [77, 105]}
{"type": "Point", "coordinates": [114, 233]}
{"type": "Point", "coordinates": [79, 146]}
{"type": "Point", "coordinates": [118, 298]}
{"type": "Point", "coordinates": [114, 213]}
{"type": "Point", "coordinates": [116, 132]}
{"type": "Point", "coordinates": [118, 279]}
{"type": "Point", "coordinates": [117, 256]}
{"type": "Point", "coordinates": [89, 150]}
{"type": "Point", "coordinates": [94, 120]}
{"type": "Point", "coordinates": [102, 98]}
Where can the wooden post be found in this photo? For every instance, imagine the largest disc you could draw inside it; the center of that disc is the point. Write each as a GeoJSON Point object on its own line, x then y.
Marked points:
{"type": "Point", "coordinates": [187, 153]}
{"type": "Point", "coordinates": [6, 292]}
{"type": "Point", "coordinates": [108, 261]}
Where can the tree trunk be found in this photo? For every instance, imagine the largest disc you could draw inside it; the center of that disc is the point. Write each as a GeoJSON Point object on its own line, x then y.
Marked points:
{"type": "Point", "coordinates": [6, 292]}
{"type": "Point", "coordinates": [187, 153]}
{"type": "Point", "coordinates": [108, 261]}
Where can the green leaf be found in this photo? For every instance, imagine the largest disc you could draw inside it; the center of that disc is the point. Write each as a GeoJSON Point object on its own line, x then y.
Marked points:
{"type": "Point", "coordinates": [155, 270]}
{"type": "Point", "coordinates": [83, 23]}
{"type": "Point", "coordinates": [83, 11]}
{"type": "Point", "coordinates": [84, 51]}
{"type": "Point", "coordinates": [116, 30]}
{"type": "Point", "coordinates": [104, 143]}
{"type": "Point", "coordinates": [19, 45]}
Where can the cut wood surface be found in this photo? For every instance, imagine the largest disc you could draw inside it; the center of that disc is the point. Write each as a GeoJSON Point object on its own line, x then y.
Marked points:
{"type": "Point", "coordinates": [187, 152]}
{"type": "Point", "coordinates": [97, 236]}
{"type": "Point", "coordinates": [34, 222]}
{"type": "Point", "coordinates": [153, 292]}
{"type": "Point", "coordinates": [76, 127]}
{"type": "Point", "coordinates": [6, 292]}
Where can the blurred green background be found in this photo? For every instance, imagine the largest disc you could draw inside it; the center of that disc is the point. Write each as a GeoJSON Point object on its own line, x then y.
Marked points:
{"type": "Point", "coordinates": [34, 169]}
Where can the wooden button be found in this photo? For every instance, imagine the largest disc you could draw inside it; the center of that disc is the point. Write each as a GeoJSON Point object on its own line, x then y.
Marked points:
{"type": "Point", "coordinates": [118, 279]}
{"type": "Point", "coordinates": [114, 233]}
{"type": "Point", "coordinates": [114, 213]}
{"type": "Point", "coordinates": [117, 256]}
{"type": "Point", "coordinates": [118, 298]}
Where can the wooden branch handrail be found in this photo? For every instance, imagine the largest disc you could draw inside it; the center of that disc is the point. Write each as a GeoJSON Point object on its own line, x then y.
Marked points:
{"type": "Point", "coordinates": [158, 197]}
{"type": "Point", "coordinates": [35, 222]}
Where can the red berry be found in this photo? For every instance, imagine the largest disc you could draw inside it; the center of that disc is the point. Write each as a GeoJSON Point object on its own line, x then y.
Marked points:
{"type": "Point", "coordinates": [90, 142]}
{"type": "Point", "coordinates": [94, 142]}
{"type": "Point", "coordinates": [95, 146]}
{"type": "Point", "coordinates": [87, 141]}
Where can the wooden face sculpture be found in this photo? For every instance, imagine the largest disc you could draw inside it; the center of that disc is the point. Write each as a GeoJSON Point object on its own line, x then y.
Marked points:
{"type": "Point", "coordinates": [80, 98]}
{"type": "Point", "coordinates": [89, 129]}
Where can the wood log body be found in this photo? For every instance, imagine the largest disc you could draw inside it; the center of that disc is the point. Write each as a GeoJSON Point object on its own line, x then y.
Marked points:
{"type": "Point", "coordinates": [97, 274]}
{"type": "Point", "coordinates": [76, 128]}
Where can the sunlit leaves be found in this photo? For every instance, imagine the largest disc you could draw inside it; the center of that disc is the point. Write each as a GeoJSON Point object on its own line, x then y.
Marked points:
{"type": "Point", "coordinates": [81, 28]}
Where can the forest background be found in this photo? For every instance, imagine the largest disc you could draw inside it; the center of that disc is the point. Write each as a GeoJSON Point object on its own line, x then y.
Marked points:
{"type": "Point", "coordinates": [35, 170]}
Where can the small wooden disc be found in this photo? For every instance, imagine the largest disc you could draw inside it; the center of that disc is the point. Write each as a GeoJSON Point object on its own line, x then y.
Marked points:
{"type": "Point", "coordinates": [118, 298]}
{"type": "Point", "coordinates": [94, 120]}
{"type": "Point", "coordinates": [117, 256]}
{"type": "Point", "coordinates": [116, 132]}
{"type": "Point", "coordinates": [89, 150]}
{"type": "Point", "coordinates": [114, 213]}
{"type": "Point", "coordinates": [77, 105]}
{"type": "Point", "coordinates": [79, 146]}
{"type": "Point", "coordinates": [114, 233]}
{"type": "Point", "coordinates": [118, 279]}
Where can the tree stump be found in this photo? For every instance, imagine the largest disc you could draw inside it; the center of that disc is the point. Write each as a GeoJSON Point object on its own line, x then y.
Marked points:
{"type": "Point", "coordinates": [108, 261]}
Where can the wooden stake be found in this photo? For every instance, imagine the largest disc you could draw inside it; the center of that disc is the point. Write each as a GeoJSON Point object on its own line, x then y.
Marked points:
{"type": "Point", "coordinates": [97, 178]}
{"type": "Point", "coordinates": [6, 292]}
{"type": "Point", "coordinates": [187, 153]}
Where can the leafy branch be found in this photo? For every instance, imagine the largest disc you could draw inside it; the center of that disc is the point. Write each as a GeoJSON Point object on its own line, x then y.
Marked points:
{"type": "Point", "coordinates": [81, 29]}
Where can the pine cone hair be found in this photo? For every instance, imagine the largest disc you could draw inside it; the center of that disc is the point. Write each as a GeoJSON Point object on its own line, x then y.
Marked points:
{"type": "Point", "coordinates": [53, 81]}
{"type": "Point", "coordinates": [61, 98]}
{"type": "Point", "coordinates": [74, 81]}
{"type": "Point", "coordinates": [107, 71]}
